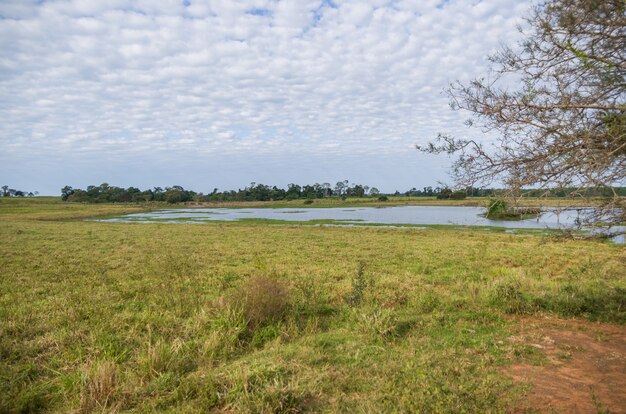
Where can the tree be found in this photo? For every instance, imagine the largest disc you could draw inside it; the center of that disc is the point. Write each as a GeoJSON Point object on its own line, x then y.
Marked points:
{"type": "Point", "coordinates": [340, 187]}
{"type": "Point", "coordinates": [66, 192]}
{"type": "Point", "coordinates": [565, 123]}
{"type": "Point", "coordinates": [357, 191]}
{"type": "Point", "coordinates": [293, 191]}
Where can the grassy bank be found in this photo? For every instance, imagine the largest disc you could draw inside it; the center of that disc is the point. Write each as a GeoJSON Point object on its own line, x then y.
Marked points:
{"type": "Point", "coordinates": [246, 317]}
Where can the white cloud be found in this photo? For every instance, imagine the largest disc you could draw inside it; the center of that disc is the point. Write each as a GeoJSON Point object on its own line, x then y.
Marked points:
{"type": "Point", "coordinates": [299, 76]}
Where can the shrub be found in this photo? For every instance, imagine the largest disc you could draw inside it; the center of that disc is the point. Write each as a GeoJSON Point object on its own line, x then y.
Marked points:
{"type": "Point", "coordinates": [383, 198]}
{"type": "Point", "coordinates": [496, 207]}
{"type": "Point", "coordinates": [263, 299]}
{"type": "Point", "coordinates": [448, 194]}
{"type": "Point", "coordinates": [458, 195]}
{"type": "Point", "coordinates": [499, 209]}
{"type": "Point", "coordinates": [444, 194]}
{"type": "Point", "coordinates": [309, 201]}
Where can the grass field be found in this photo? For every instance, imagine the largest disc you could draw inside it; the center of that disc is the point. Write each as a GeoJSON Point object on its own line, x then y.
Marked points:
{"type": "Point", "coordinates": [249, 317]}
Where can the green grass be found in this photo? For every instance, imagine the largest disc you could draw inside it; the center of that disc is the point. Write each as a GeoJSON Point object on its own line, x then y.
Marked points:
{"type": "Point", "coordinates": [150, 317]}
{"type": "Point", "coordinates": [52, 208]}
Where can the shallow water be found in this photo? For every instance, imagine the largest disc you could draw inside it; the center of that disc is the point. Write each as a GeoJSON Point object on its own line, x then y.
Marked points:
{"type": "Point", "coordinates": [406, 215]}
{"type": "Point", "coordinates": [465, 216]}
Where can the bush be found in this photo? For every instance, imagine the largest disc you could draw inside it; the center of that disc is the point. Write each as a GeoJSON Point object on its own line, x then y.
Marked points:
{"type": "Point", "coordinates": [496, 207]}
{"type": "Point", "coordinates": [383, 198]}
{"type": "Point", "coordinates": [458, 195]}
{"type": "Point", "coordinates": [263, 299]}
{"type": "Point", "coordinates": [448, 194]}
{"type": "Point", "coordinates": [499, 209]}
{"type": "Point", "coordinates": [309, 201]}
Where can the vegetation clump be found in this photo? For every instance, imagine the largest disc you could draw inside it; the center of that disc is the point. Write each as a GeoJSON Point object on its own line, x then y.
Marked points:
{"type": "Point", "coordinates": [448, 194]}
{"type": "Point", "coordinates": [499, 209]}
{"type": "Point", "coordinates": [263, 299]}
{"type": "Point", "coordinates": [11, 192]}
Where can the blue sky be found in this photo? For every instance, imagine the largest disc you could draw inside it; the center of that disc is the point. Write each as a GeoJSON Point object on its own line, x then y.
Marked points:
{"type": "Point", "coordinates": [220, 93]}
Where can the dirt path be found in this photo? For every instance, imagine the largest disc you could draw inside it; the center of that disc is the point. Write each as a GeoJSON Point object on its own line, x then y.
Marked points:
{"type": "Point", "coordinates": [585, 372]}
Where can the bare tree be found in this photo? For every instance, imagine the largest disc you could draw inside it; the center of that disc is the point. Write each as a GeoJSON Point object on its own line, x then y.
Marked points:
{"type": "Point", "coordinates": [564, 122]}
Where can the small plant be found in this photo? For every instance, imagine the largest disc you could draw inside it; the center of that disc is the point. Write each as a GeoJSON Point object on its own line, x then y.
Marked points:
{"type": "Point", "coordinates": [383, 198]}
{"type": "Point", "coordinates": [359, 283]}
{"type": "Point", "coordinates": [309, 201]}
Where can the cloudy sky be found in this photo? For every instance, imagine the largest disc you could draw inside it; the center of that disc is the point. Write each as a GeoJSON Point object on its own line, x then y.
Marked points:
{"type": "Point", "coordinates": [220, 93]}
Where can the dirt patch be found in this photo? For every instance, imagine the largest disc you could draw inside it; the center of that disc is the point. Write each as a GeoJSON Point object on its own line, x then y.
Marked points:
{"type": "Point", "coordinates": [585, 370]}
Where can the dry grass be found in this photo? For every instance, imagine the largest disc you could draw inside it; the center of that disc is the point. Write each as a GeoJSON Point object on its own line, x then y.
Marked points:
{"type": "Point", "coordinates": [100, 388]}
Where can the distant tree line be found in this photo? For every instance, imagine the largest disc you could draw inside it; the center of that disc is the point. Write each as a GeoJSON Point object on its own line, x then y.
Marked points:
{"type": "Point", "coordinates": [11, 192]}
{"type": "Point", "coordinates": [105, 193]}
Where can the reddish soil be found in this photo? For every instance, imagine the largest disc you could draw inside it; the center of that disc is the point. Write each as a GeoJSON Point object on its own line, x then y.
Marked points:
{"type": "Point", "coordinates": [585, 370]}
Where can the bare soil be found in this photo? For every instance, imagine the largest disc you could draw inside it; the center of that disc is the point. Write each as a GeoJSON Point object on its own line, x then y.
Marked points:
{"type": "Point", "coordinates": [584, 369]}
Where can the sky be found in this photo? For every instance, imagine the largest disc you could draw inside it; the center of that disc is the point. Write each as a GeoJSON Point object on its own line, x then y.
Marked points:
{"type": "Point", "coordinates": [221, 93]}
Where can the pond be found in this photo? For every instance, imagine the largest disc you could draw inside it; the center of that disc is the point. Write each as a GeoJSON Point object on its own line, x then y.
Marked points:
{"type": "Point", "coordinates": [405, 215]}
{"type": "Point", "coordinates": [390, 216]}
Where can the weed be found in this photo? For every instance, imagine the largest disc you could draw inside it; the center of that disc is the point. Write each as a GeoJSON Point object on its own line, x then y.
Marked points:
{"type": "Point", "coordinates": [359, 284]}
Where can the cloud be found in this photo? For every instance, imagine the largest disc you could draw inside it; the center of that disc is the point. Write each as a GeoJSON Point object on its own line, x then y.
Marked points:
{"type": "Point", "coordinates": [226, 77]}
